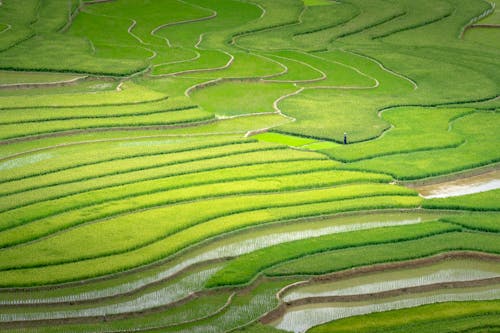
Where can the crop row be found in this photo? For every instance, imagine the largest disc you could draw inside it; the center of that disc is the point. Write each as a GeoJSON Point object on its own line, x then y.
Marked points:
{"type": "Point", "coordinates": [85, 112]}
{"type": "Point", "coordinates": [92, 196]}
{"type": "Point", "coordinates": [439, 11]}
{"type": "Point", "coordinates": [167, 246]}
{"type": "Point", "coordinates": [156, 220]}
{"type": "Point", "coordinates": [131, 94]}
{"type": "Point", "coordinates": [483, 201]}
{"type": "Point", "coordinates": [90, 154]}
{"type": "Point", "coordinates": [193, 310]}
{"type": "Point", "coordinates": [168, 118]}
{"type": "Point", "coordinates": [478, 150]}
{"type": "Point", "coordinates": [338, 260]}
{"type": "Point", "coordinates": [223, 246]}
{"type": "Point", "coordinates": [414, 129]}
{"type": "Point", "coordinates": [159, 296]}
{"type": "Point", "coordinates": [135, 198]}
{"type": "Point", "coordinates": [441, 317]}
{"type": "Point", "coordinates": [243, 269]}
{"type": "Point", "coordinates": [222, 165]}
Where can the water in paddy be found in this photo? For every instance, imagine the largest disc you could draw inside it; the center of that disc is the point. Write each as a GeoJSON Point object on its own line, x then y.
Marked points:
{"type": "Point", "coordinates": [447, 271]}
{"type": "Point", "coordinates": [469, 185]}
{"type": "Point", "coordinates": [229, 246]}
{"type": "Point", "coordinates": [300, 318]}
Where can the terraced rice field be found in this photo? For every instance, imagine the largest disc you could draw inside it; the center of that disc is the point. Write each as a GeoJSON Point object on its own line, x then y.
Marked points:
{"type": "Point", "coordinates": [249, 166]}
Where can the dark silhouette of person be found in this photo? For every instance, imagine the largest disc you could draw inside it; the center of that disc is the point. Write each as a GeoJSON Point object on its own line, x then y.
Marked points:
{"type": "Point", "coordinates": [345, 138]}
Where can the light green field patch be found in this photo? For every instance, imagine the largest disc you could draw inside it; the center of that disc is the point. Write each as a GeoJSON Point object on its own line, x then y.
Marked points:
{"type": "Point", "coordinates": [11, 77]}
{"type": "Point", "coordinates": [319, 2]}
{"type": "Point", "coordinates": [321, 145]}
{"type": "Point", "coordinates": [237, 98]}
{"type": "Point", "coordinates": [290, 140]}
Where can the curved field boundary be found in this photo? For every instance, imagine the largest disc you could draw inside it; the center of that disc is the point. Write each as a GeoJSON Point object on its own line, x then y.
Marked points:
{"type": "Point", "coordinates": [327, 27]}
{"type": "Point", "coordinates": [281, 310]}
{"type": "Point", "coordinates": [233, 39]}
{"type": "Point", "coordinates": [340, 202]}
{"type": "Point", "coordinates": [155, 30]}
{"type": "Point", "coordinates": [84, 142]}
{"type": "Point", "coordinates": [199, 70]}
{"type": "Point", "coordinates": [129, 30]}
{"type": "Point", "coordinates": [51, 233]}
{"type": "Point", "coordinates": [363, 270]}
{"type": "Point", "coordinates": [118, 158]}
{"type": "Point", "coordinates": [487, 12]}
{"type": "Point", "coordinates": [220, 80]}
{"type": "Point", "coordinates": [412, 82]}
{"type": "Point", "coordinates": [281, 98]}
{"type": "Point", "coordinates": [197, 262]}
{"type": "Point", "coordinates": [322, 74]}
{"type": "Point", "coordinates": [372, 193]}
{"type": "Point", "coordinates": [106, 129]}
{"type": "Point", "coordinates": [126, 315]}
{"type": "Point", "coordinates": [85, 105]}
{"type": "Point", "coordinates": [369, 26]}
{"type": "Point", "coordinates": [452, 176]}
{"type": "Point", "coordinates": [193, 184]}
{"type": "Point", "coordinates": [242, 149]}
{"type": "Point", "coordinates": [205, 242]}
{"type": "Point", "coordinates": [485, 26]}
{"type": "Point", "coordinates": [43, 84]}
{"type": "Point", "coordinates": [7, 28]}
{"type": "Point", "coordinates": [160, 176]}
{"type": "Point", "coordinates": [104, 116]}
{"type": "Point", "coordinates": [414, 26]}
{"type": "Point", "coordinates": [72, 15]}
{"type": "Point", "coordinates": [196, 57]}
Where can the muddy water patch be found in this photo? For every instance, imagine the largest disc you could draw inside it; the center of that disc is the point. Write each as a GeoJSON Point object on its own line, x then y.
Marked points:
{"type": "Point", "coordinates": [232, 245]}
{"type": "Point", "coordinates": [468, 185]}
{"type": "Point", "coordinates": [301, 318]}
{"type": "Point", "coordinates": [448, 271]}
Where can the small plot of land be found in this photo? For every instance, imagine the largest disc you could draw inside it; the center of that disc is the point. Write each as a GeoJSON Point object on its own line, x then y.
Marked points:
{"type": "Point", "coordinates": [218, 165]}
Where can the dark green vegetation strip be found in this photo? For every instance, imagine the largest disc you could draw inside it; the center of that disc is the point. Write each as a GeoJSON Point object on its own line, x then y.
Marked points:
{"type": "Point", "coordinates": [484, 201]}
{"type": "Point", "coordinates": [243, 269]}
{"type": "Point", "coordinates": [444, 317]}
{"type": "Point", "coordinates": [375, 254]}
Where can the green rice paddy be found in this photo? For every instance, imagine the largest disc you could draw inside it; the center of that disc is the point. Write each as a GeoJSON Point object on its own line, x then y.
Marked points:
{"type": "Point", "coordinates": [175, 166]}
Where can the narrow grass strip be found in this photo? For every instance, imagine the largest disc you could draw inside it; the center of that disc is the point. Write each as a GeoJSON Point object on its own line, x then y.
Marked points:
{"type": "Point", "coordinates": [119, 234]}
{"type": "Point", "coordinates": [484, 201]}
{"type": "Point", "coordinates": [441, 317]}
{"type": "Point", "coordinates": [159, 192]}
{"type": "Point", "coordinates": [483, 221]}
{"type": "Point", "coordinates": [159, 173]}
{"type": "Point", "coordinates": [170, 245]}
{"type": "Point", "coordinates": [93, 156]}
{"type": "Point", "coordinates": [188, 191]}
{"type": "Point", "coordinates": [245, 268]}
{"type": "Point", "coordinates": [338, 260]}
